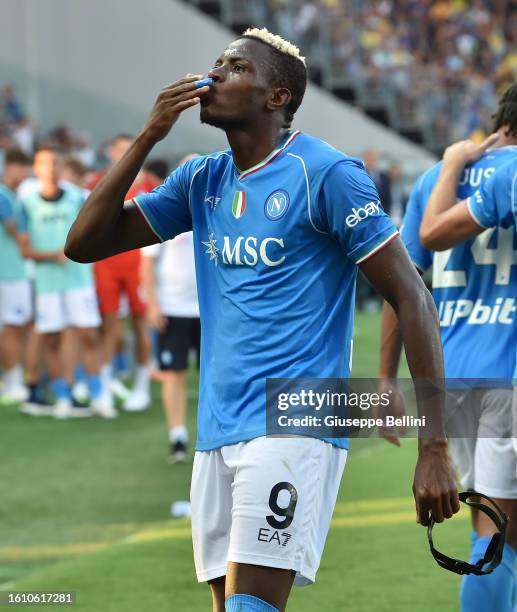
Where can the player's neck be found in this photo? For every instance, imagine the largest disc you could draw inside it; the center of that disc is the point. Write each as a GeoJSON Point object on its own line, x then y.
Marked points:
{"type": "Point", "coordinates": [9, 182]}
{"type": "Point", "coordinates": [50, 191]}
{"type": "Point", "coordinates": [250, 147]}
{"type": "Point", "coordinates": [504, 140]}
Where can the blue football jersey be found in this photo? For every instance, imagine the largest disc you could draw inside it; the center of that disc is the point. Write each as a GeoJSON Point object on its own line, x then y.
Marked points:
{"type": "Point", "coordinates": [276, 252]}
{"type": "Point", "coordinates": [474, 283]}
{"type": "Point", "coordinates": [495, 203]}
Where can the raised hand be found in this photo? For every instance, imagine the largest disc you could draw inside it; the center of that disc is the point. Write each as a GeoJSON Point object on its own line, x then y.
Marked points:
{"type": "Point", "coordinates": [169, 105]}
{"type": "Point", "coordinates": [434, 485]}
{"type": "Point", "coordinates": [467, 151]}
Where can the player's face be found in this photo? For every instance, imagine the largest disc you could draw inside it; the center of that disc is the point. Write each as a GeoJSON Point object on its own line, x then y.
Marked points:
{"type": "Point", "coordinates": [18, 173]}
{"type": "Point", "coordinates": [240, 89]}
{"type": "Point", "coordinates": [118, 149]}
{"type": "Point", "coordinates": [47, 166]}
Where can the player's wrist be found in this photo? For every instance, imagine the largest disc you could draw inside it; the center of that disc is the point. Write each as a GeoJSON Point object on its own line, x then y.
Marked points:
{"type": "Point", "coordinates": [436, 446]}
{"type": "Point", "coordinates": [147, 138]}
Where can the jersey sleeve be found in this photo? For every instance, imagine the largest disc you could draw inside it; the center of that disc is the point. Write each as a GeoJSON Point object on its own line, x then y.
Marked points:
{"type": "Point", "coordinates": [495, 203]}
{"type": "Point", "coordinates": [410, 230]}
{"type": "Point", "coordinates": [6, 209]}
{"type": "Point", "coordinates": [351, 209]}
{"type": "Point", "coordinates": [166, 208]}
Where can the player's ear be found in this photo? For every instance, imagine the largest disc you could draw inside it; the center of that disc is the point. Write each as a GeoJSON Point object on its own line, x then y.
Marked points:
{"type": "Point", "coordinates": [279, 98]}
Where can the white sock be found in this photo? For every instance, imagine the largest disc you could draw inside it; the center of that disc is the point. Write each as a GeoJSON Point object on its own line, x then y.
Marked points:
{"type": "Point", "coordinates": [142, 378]}
{"type": "Point", "coordinates": [178, 434]}
{"type": "Point", "coordinates": [106, 375]}
{"type": "Point", "coordinates": [13, 378]}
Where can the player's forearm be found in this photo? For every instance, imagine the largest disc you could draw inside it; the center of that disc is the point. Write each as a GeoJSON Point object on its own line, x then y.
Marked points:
{"type": "Point", "coordinates": [97, 231]}
{"type": "Point", "coordinates": [434, 223]}
{"type": "Point", "coordinates": [391, 343]}
{"type": "Point", "coordinates": [420, 330]}
{"type": "Point", "coordinates": [148, 277]}
{"type": "Point", "coordinates": [10, 227]}
{"type": "Point", "coordinates": [29, 253]}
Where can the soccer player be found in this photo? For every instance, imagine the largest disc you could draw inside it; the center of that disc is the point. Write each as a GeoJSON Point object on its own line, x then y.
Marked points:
{"type": "Point", "coordinates": [474, 286]}
{"type": "Point", "coordinates": [65, 294]}
{"type": "Point", "coordinates": [169, 279]}
{"type": "Point", "coordinates": [115, 277]}
{"type": "Point", "coordinates": [281, 222]}
{"type": "Point", "coordinates": [15, 291]}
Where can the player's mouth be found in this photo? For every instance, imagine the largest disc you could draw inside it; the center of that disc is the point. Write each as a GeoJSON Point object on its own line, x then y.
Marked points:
{"type": "Point", "coordinates": [208, 97]}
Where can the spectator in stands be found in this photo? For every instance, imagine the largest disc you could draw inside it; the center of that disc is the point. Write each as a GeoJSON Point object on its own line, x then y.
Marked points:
{"type": "Point", "coordinates": [422, 59]}
{"type": "Point", "coordinates": [399, 193]}
{"type": "Point", "coordinates": [380, 178]}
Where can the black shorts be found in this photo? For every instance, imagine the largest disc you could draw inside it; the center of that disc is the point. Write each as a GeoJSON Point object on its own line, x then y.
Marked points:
{"type": "Point", "coordinates": [174, 343]}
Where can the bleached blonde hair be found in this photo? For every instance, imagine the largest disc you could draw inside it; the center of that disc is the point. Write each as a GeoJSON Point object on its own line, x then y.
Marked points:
{"type": "Point", "coordinates": [276, 41]}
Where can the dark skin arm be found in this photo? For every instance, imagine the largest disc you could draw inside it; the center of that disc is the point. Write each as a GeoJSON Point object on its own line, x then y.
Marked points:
{"type": "Point", "coordinates": [390, 352]}
{"type": "Point", "coordinates": [392, 273]}
{"type": "Point", "coordinates": [105, 226]}
{"type": "Point", "coordinates": [391, 349]}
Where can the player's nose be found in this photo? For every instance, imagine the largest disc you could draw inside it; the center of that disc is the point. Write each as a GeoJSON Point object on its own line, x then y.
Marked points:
{"type": "Point", "coordinates": [217, 74]}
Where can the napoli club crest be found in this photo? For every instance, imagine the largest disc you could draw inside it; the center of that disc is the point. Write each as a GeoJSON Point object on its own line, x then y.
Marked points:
{"type": "Point", "coordinates": [276, 205]}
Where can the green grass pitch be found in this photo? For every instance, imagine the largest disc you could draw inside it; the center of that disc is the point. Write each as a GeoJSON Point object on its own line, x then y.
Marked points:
{"type": "Point", "coordinates": [84, 506]}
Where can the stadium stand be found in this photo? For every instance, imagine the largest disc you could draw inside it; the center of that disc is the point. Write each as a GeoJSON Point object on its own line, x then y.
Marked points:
{"type": "Point", "coordinates": [430, 70]}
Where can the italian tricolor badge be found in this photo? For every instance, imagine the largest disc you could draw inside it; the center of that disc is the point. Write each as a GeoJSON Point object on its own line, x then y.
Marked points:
{"type": "Point", "coordinates": [239, 204]}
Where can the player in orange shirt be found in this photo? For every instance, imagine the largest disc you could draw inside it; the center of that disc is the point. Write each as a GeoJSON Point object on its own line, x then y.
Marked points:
{"type": "Point", "coordinates": [117, 276]}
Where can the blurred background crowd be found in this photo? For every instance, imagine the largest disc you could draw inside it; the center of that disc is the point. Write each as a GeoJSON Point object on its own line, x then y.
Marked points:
{"type": "Point", "coordinates": [431, 69]}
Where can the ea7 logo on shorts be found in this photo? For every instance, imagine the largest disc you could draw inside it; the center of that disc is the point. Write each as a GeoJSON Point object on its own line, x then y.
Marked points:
{"type": "Point", "coordinates": [272, 535]}
{"type": "Point", "coordinates": [276, 205]}
{"type": "Point", "coordinates": [360, 214]}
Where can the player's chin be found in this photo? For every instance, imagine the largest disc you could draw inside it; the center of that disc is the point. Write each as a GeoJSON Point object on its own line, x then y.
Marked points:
{"type": "Point", "coordinates": [209, 116]}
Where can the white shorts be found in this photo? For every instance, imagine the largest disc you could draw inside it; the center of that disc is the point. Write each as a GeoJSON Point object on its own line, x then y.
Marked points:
{"type": "Point", "coordinates": [265, 502]}
{"type": "Point", "coordinates": [15, 302]}
{"type": "Point", "coordinates": [73, 308]}
{"type": "Point", "coordinates": [485, 458]}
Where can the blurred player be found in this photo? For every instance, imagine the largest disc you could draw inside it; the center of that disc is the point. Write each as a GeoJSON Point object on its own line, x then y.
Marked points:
{"type": "Point", "coordinates": [281, 223]}
{"type": "Point", "coordinates": [65, 294]}
{"type": "Point", "coordinates": [169, 278]}
{"type": "Point", "coordinates": [116, 277]}
{"type": "Point", "coordinates": [474, 286]}
{"type": "Point", "coordinates": [74, 172]}
{"type": "Point", "coordinates": [15, 291]}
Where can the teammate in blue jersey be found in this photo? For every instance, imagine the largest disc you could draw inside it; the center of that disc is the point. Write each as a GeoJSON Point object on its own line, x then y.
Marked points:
{"type": "Point", "coordinates": [474, 286]}
{"type": "Point", "coordinates": [281, 223]}
{"type": "Point", "coordinates": [15, 289]}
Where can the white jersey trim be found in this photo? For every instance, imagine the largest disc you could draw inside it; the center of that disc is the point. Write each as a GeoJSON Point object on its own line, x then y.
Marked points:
{"type": "Point", "coordinates": [137, 204]}
{"type": "Point", "coordinates": [380, 246]}
{"type": "Point", "coordinates": [308, 192]}
{"type": "Point", "coordinates": [473, 214]}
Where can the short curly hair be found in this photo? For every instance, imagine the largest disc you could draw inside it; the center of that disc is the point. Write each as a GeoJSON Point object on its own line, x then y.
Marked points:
{"type": "Point", "coordinates": [287, 67]}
